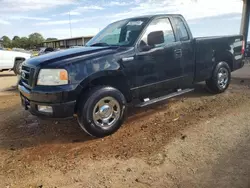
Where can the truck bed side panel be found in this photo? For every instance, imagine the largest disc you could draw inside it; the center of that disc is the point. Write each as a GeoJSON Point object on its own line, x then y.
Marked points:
{"type": "Point", "coordinates": [211, 50]}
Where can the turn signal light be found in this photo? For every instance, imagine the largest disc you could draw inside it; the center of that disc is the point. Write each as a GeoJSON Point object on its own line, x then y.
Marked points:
{"type": "Point", "coordinates": [63, 75]}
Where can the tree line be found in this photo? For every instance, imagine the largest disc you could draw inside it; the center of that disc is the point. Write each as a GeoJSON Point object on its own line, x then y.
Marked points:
{"type": "Point", "coordinates": [33, 41]}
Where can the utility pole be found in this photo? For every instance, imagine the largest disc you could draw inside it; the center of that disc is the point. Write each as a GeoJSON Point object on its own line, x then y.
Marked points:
{"type": "Point", "coordinates": [245, 20]}
{"type": "Point", "coordinates": [70, 25]}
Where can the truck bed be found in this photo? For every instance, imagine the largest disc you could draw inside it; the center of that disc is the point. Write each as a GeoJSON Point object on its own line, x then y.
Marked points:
{"type": "Point", "coordinates": [210, 50]}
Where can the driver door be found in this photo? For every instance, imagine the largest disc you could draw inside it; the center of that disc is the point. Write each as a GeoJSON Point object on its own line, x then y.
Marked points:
{"type": "Point", "coordinates": [158, 66]}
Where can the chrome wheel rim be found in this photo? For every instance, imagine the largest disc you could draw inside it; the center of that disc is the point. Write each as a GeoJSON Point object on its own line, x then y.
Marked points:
{"type": "Point", "coordinates": [223, 78]}
{"type": "Point", "coordinates": [106, 112]}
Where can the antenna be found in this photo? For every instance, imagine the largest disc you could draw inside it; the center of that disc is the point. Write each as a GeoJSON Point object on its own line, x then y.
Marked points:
{"type": "Point", "coordinates": [70, 25]}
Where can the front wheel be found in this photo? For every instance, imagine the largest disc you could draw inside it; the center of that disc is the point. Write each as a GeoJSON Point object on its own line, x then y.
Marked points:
{"type": "Point", "coordinates": [220, 79]}
{"type": "Point", "coordinates": [102, 111]}
{"type": "Point", "coordinates": [18, 67]}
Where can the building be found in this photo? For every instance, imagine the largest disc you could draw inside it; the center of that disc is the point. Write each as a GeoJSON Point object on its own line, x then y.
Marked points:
{"type": "Point", "coordinates": [67, 43]}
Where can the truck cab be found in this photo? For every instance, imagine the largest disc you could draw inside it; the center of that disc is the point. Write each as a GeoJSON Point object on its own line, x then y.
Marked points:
{"type": "Point", "coordinates": [139, 61]}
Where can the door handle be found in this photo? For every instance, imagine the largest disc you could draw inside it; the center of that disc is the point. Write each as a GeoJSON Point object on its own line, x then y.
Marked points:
{"type": "Point", "coordinates": [178, 53]}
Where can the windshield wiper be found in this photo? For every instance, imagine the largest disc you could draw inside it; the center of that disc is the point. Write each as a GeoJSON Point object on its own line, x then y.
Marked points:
{"type": "Point", "coordinates": [100, 44]}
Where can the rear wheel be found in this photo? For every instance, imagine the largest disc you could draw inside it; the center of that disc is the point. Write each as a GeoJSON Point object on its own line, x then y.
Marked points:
{"type": "Point", "coordinates": [102, 111]}
{"type": "Point", "coordinates": [18, 67]}
{"type": "Point", "coordinates": [220, 79]}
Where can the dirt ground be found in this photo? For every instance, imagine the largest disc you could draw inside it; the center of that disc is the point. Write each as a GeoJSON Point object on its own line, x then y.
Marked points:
{"type": "Point", "coordinates": [197, 140]}
{"type": "Point", "coordinates": [7, 82]}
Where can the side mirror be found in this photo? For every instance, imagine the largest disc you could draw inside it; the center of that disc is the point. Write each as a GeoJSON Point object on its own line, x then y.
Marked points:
{"type": "Point", "coordinates": [156, 37]}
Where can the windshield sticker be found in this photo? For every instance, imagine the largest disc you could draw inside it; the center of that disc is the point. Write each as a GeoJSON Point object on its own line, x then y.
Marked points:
{"type": "Point", "coordinates": [135, 23]}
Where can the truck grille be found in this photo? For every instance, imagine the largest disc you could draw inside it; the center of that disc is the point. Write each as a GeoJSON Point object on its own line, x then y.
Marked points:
{"type": "Point", "coordinates": [27, 76]}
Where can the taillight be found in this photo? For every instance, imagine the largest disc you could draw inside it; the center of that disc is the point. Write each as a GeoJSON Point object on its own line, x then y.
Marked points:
{"type": "Point", "coordinates": [243, 48]}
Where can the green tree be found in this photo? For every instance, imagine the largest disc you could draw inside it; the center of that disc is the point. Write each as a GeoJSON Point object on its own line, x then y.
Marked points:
{"type": "Point", "coordinates": [16, 38]}
{"type": "Point", "coordinates": [16, 42]}
{"type": "Point", "coordinates": [24, 42]}
{"type": "Point", "coordinates": [35, 40]}
{"type": "Point", "coordinates": [6, 42]}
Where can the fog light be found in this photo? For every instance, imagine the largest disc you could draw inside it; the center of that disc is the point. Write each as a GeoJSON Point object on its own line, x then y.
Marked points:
{"type": "Point", "coordinates": [46, 109]}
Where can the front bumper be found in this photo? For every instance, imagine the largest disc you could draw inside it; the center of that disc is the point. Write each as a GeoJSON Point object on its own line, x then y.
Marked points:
{"type": "Point", "coordinates": [60, 110]}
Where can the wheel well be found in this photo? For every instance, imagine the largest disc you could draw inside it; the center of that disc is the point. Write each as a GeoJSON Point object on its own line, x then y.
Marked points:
{"type": "Point", "coordinates": [228, 60]}
{"type": "Point", "coordinates": [18, 59]}
{"type": "Point", "coordinates": [118, 82]}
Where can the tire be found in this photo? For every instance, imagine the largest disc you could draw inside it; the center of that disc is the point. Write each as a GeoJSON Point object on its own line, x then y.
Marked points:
{"type": "Point", "coordinates": [17, 68]}
{"type": "Point", "coordinates": [102, 111]}
{"type": "Point", "coordinates": [220, 79]}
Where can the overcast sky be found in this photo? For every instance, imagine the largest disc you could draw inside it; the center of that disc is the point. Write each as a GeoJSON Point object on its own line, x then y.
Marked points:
{"type": "Point", "coordinates": [51, 17]}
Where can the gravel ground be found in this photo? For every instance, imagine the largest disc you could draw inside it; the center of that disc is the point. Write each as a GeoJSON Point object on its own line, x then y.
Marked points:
{"type": "Point", "coordinates": [196, 140]}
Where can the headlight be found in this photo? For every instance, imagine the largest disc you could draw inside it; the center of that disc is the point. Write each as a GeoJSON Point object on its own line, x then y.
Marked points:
{"type": "Point", "coordinates": [52, 77]}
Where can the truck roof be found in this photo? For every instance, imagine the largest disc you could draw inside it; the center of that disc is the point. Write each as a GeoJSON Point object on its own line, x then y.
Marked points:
{"type": "Point", "coordinates": [153, 16]}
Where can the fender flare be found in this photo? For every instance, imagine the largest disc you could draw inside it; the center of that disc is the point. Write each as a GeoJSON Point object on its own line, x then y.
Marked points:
{"type": "Point", "coordinates": [125, 86]}
{"type": "Point", "coordinates": [18, 58]}
{"type": "Point", "coordinates": [227, 57]}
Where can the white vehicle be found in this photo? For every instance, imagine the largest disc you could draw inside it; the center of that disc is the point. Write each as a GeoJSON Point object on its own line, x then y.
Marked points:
{"type": "Point", "coordinates": [12, 60]}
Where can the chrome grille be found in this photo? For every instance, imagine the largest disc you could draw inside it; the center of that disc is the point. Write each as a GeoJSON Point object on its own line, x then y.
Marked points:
{"type": "Point", "coordinates": [27, 75]}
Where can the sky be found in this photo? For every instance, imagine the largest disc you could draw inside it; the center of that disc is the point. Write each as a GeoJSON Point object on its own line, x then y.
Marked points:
{"type": "Point", "coordinates": [88, 17]}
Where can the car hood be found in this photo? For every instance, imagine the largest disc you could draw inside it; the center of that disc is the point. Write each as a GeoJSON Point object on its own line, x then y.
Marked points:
{"type": "Point", "coordinates": [23, 54]}
{"type": "Point", "coordinates": [69, 54]}
{"type": "Point", "coordinates": [17, 54]}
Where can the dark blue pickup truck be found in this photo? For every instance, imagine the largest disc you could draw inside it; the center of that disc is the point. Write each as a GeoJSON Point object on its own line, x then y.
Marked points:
{"type": "Point", "coordinates": [141, 61]}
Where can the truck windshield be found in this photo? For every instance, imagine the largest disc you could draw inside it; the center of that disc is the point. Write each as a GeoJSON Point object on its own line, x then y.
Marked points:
{"type": "Point", "coordinates": [121, 33]}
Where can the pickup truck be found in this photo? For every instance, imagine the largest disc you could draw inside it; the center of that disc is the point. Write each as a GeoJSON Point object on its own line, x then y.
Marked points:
{"type": "Point", "coordinates": [12, 60]}
{"type": "Point", "coordinates": [137, 61]}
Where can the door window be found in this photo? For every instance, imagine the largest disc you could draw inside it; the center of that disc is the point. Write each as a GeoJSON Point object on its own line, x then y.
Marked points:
{"type": "Point", "coordinates": [181, 29]}
{"type": "Point", "coordinates": [162, 24]}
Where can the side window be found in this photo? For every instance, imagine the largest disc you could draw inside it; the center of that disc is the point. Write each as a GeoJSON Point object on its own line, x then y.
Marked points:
{"type": "Point", "coordinates": [181, 29]}
{"type": "Point", "coordinates": [163, 25]}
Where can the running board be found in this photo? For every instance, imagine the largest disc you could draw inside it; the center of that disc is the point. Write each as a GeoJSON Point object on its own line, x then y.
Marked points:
{"type": "Point", "coordinates": [162, 98]}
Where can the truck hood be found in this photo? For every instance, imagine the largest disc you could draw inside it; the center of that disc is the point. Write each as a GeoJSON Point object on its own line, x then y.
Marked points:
{"type": "Point", "coordinates": [17, 54]}
{"type": "Point", "coordinates": [69, 54]}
